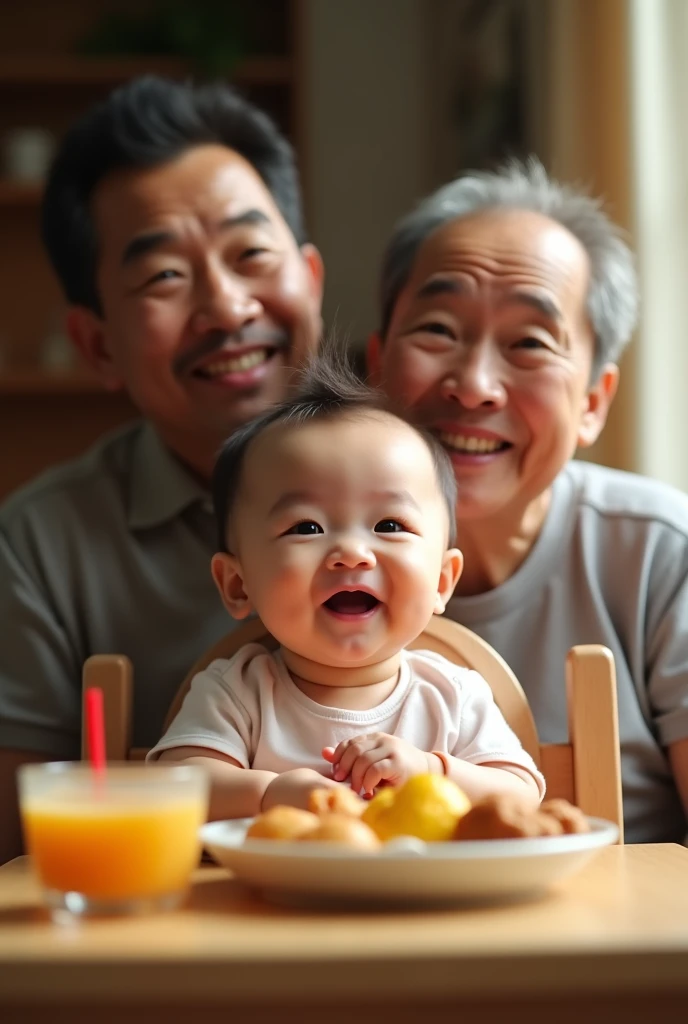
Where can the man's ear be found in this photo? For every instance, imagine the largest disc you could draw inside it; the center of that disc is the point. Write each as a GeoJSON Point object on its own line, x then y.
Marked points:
{"type": "Point", "coordinates": [229, 581]}
{"type": "Point", "coordinates": [452, 567]}
{"type": "Point", "coordinates": [316, 271]}
{"type": "Point", "coordinates": [87, 331]}
{"type": "Point", "coordinates": [374, 359]}
{"type": "Point", "coordinates": [597, 404]}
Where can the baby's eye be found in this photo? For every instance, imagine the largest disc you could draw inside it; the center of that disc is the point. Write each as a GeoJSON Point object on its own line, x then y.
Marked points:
{"type": "Point", "coordinates": [306, 528]}
{"type": "Point", "coordinates": [390, 526]}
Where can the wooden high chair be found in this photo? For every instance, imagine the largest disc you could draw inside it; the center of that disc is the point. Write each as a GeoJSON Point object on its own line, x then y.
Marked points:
{"type": "Point", "coordinates": [586, 770]}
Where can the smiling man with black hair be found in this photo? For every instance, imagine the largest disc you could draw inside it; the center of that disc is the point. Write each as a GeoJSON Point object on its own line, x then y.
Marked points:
{"type": "Point", "coordinates": [172, 217]}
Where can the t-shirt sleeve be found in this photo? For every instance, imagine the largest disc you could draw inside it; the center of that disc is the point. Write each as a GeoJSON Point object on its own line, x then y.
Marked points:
{"type": "Point", "coordinates": [40, 668]}
{"type": "Point", "coordinates": [484, 735]}
{"type": "Point", "coordinates": [221, 710]}
{"type": "Point", "coordinates": [666, 639]}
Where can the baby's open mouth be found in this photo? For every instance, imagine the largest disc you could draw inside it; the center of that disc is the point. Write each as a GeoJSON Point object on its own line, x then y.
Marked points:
{"type": "Point", "coordinates": [351, 602]}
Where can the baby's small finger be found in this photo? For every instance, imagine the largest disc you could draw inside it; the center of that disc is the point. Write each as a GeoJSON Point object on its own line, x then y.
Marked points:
{"type": "Point", "coordinates": [360, 770]}
{"type": "Point", "coordinates": [379, 772]}
{"type": "Point", "coordinates": [354, 749]}
{"type": "Point", "coordinates": [342, 769]}
{"type": "Point", "coordinates": [338, 751]}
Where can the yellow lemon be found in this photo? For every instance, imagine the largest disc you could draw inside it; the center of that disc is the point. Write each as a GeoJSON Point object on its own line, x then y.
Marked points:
{"type": "Point", "coordinates": [426, 806]}
{"type": "Point", "coordinates": [383, 799]}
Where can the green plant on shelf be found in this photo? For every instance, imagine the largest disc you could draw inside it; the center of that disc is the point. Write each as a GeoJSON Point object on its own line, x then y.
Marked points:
{"type": "Point", "coordinates": [210, 34]}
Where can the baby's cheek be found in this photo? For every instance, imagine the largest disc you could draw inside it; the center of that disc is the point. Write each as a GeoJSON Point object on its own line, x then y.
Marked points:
{"type": "Point", "coordinates": [291, 572]}
{"type": "Point", "coordinates": [425, 564]}
{"type": "Point", "coordinates": [422, 587]}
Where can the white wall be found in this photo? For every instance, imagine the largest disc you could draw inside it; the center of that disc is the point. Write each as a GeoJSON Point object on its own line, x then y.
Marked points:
{"type": "Point", "coordinates": [659, 35]}
{"type": "Point", "coordinates": [382, 80]}
{"type": "Point", "coordinates": [365, 141]}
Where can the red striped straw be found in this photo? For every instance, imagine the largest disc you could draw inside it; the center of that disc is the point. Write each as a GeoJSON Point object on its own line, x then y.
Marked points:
{"type": "Point", "coordinates": [95, 729]}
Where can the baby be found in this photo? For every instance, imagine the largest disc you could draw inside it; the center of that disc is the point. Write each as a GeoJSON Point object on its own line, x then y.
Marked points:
{"type": "Point", "coordinates": [336, 523]}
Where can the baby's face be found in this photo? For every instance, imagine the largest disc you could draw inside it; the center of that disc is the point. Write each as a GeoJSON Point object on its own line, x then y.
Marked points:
{"type": "Point", "coordinates": [339, 538]}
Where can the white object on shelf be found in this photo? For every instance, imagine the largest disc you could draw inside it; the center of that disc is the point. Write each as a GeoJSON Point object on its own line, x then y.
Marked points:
{"type": "Point", "coordinates": [57, 352]}
{"type": "Point", "coordinates": [27, 153]}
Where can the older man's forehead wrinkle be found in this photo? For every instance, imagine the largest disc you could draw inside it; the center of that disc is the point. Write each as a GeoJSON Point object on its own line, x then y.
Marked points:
{"type": "Point", "coordinates": [469, 262]}
{"type": "Point", "coordinates": [545, 296]}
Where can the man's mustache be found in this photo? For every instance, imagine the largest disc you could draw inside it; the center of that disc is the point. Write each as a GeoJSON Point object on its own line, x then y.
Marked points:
{"type": "Point", "coordinates": [213, 341]}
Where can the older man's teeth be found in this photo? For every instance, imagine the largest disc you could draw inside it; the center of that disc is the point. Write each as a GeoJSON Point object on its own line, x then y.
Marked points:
{"type": "Point", "coordinates": [247, 362]}
{"type": "Point", "coordinates": [474, 445]}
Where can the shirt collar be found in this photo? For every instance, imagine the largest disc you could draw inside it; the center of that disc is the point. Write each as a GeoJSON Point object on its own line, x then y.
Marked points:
{"type": "Point", "coordinates": [161, 487]}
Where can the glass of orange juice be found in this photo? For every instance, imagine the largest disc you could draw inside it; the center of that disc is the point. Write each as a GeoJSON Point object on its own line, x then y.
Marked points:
{"type": "Point", "coordinates": [122, 841]}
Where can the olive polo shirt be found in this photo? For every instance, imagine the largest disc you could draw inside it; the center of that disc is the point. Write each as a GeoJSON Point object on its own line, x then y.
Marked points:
{"type": "Point", "coordinates": [109, 553]}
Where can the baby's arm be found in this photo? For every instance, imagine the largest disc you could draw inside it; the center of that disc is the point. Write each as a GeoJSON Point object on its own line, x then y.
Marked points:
{"type": "Point", "coordinates": [479, 780]}
{"type": "Point", "coordinates": [238, 792]}
{"type": "Point", "coordinates": [235, 792]}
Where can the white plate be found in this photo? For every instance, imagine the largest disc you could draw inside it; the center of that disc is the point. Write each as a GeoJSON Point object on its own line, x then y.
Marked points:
{"type": "Point", "coordinates": [404, 870]}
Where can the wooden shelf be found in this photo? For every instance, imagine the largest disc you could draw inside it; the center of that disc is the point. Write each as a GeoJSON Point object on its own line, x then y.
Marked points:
{"type": "Point", "coordinates": [44, 382]}
{"type": "Point", "coordinates": [17, 193]}
{"type": "Point", "coordinates": [66, 70]}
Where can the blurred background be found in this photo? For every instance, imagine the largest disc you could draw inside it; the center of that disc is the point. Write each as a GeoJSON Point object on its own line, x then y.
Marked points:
{"type": "Point", "coordinates": [384, 100]}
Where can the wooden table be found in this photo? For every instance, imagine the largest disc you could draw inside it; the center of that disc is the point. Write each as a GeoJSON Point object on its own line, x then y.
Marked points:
{"type": "Point", "coordinates": [611, 944]}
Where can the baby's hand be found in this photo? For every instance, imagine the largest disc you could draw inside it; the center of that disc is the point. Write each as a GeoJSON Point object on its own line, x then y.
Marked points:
{"type": "Point", "coordinates": [293, 788]}
{"type": "Point", "coordinates": [378, 757]}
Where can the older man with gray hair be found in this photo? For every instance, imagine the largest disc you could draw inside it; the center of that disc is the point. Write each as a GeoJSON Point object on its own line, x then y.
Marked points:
{"type": "Point", "coordinates": [507, 300]}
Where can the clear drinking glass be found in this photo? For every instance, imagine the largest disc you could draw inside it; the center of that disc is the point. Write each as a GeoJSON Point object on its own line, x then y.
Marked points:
{"type": "Point", "coordinates": [121, 842]}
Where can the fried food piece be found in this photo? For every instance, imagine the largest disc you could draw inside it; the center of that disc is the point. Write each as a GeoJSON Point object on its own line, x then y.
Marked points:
{"type": "Point", "coordinates": [571, 819]}
{"type": "Point", "coordinates": [342, 828]}
{"type": "Point", "coordinates": [505, 816]}
{"type": "Point", "coordinates": [282, 822]}
{"type": "Point", "coordinates": [336, 801]}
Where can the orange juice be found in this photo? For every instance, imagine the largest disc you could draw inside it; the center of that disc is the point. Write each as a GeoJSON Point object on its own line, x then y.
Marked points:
{"type": "Point", "coordinates": [124, 840]}
{"type": "Point", "coordinates": [114, 852]}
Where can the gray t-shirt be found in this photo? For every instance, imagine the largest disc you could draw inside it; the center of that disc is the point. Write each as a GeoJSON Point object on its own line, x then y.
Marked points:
{"type": "Point", "coordinates": [107, 554]}
{"type": "Point", "coordinates": [610, 567]}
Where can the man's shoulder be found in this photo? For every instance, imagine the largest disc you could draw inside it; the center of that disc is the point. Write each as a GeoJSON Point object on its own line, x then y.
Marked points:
{"type": "Point", "coordinates": [65, 491]}
{"type": "Point", "coordinates": [618, 496]}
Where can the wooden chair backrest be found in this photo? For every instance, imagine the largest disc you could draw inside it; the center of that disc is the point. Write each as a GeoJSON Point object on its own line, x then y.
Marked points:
{"type": "Point", "coordinates": [586, 770]}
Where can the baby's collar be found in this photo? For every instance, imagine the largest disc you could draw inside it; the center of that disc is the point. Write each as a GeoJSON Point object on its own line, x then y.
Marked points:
{"type": "Point", "coordinates": [332, 675]}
